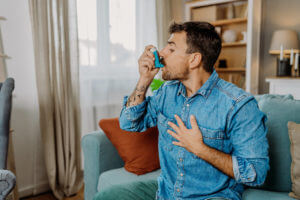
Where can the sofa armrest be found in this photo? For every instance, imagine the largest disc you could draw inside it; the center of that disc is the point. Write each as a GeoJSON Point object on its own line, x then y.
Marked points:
{"type": "Point", "coordinates": [99, 156]}
{"type": "Point", "coordinates": [7, 183]}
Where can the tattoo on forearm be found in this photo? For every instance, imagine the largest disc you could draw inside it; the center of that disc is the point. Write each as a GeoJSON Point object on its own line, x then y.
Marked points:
{"type": "Point", "coordinates": [137, 96]}
{"type": "Point", "coordinates": [141, 89]}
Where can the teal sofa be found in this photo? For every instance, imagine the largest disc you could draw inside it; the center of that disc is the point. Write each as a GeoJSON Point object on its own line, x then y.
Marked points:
{"type": "Point", "coordinates": [7, 178]}
{"type": "Point", "coordinates": [103, 167]}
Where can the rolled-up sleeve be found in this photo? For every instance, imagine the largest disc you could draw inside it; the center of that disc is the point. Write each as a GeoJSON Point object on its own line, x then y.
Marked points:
{"type": "Point", "coordinates": [142, 116]}
{"type": "Point", "coordinates": [247, 133]}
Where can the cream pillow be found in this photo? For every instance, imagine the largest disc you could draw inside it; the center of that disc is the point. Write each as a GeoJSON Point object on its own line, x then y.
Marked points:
{"type": "Point", "coordinates": [294, 134]}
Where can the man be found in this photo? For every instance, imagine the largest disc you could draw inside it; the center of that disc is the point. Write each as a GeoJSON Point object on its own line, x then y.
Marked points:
{"type": "Point", "coordinates": [212, 135]}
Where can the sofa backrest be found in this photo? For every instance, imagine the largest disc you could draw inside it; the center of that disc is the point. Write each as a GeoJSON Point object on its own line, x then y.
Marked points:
{"type": "Point", "coordinates": [279, 110]}
{"type": "Point", "coordinates": [6, 89]}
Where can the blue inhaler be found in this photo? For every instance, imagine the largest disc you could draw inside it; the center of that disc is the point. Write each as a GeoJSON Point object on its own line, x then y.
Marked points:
{"type": "Point", "coordinates": [156, 62]}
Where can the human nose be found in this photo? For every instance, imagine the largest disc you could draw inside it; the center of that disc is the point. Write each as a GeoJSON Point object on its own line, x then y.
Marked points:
{"type": "Point", "coordinates": [162, 52]}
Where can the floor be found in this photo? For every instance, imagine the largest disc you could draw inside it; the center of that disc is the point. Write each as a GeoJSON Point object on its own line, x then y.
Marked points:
{"type": "Point", "coordinates": [49, 196]}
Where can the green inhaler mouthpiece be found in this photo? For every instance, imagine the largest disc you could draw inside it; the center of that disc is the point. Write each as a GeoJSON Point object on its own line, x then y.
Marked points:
{"type": "Point", "coordinates": [156, 62]}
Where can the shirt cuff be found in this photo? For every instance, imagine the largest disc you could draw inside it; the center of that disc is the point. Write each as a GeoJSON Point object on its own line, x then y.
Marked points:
{"type": "Point", "coordinates": [243, 170]}
{"type": "Point", "coordinates": [133, 112]}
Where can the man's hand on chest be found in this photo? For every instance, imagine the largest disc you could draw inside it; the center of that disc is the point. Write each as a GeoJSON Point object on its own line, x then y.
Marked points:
{"type": "Point", "coordinates": [192, 140]}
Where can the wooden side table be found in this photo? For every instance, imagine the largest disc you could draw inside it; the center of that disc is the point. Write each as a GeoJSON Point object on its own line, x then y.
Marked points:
{"type": "Point", "coordinates": [284, 85]}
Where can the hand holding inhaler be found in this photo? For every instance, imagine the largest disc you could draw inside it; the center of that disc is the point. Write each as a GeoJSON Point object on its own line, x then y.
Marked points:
{"type": "Point", "coordinates": [149, 66]}
{"type": "Point", "coordinates": [157, 60]}
{"type": "Point", "coordinates": [147, 69]}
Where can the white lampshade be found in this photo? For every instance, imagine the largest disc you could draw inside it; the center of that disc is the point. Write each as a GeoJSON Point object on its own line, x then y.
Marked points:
{"type": "Point", "coordinates": [287, 38]}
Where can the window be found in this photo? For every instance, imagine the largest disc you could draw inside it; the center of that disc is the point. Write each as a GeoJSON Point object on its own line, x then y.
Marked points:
{"type": "Point", "coordinates": [112, 35]}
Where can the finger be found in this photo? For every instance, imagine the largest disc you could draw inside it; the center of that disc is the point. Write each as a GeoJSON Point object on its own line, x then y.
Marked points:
{"type": "Point", "coordinates": [193, 122]}
{"type": "Point", "coordinates": [149, 60]}
{"type": "Point", "coordinates": [150, 54]}
{"type": "Point", "coordinates": [180, 122]}
{"type": "Point", "coordinates": [155, 69]}
{"type": "Point", "coordinates": [176, 128]}
{"type": "Point", "coordinates": [148, 47]}
{"type": "Point", "coordinates": [151, 64]}
{"type": "Point", "coordinates": [148, 64]}
{"type": "Point", "coordinates": [178, 144]}
{"type": "Point", "coordinates": [173, 134]}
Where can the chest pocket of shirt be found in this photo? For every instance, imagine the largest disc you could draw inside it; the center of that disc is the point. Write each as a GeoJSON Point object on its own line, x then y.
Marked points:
{"type": "Point", "coordinates": [213, 138]}
{"type": "Point", "coordinates": [165, 139]}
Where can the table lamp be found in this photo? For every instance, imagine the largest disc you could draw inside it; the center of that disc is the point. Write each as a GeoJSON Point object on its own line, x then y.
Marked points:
{"type": "Point", "coordinates": [285, 42]}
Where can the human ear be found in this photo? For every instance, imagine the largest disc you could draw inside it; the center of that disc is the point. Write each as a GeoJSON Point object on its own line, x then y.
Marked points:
{"type": "Point", "coordinates": [195, 60]}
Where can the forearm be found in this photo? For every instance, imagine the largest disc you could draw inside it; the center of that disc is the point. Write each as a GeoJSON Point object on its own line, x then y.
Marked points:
{"type": "Point", "coordinates": [139, 93]}
{"type": "Point", "coordinates": [218, 159]}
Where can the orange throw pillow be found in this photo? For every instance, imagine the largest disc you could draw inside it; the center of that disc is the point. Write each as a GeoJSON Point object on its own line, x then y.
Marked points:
{"type": "Point", "coordinates": [139, 150]}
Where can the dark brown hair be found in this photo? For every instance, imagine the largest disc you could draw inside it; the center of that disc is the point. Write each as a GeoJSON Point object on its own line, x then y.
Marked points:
{"type": "Point", "coordinates": [202, 38]}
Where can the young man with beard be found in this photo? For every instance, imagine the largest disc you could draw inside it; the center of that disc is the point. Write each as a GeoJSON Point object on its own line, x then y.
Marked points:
{"type": "Point", "coordinates": [212, 135]}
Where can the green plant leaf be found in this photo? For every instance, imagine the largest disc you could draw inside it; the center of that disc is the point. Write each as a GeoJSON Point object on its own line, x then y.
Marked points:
{"type": "Point", "coordinates": [156, 83]}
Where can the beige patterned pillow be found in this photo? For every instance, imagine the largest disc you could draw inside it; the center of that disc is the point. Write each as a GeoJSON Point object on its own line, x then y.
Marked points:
{"type": "Point", "coordinates": [294, 133]}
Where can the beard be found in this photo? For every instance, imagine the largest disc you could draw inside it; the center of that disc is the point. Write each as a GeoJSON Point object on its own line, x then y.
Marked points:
{"type": "Point", "coordinates": [168, 75]}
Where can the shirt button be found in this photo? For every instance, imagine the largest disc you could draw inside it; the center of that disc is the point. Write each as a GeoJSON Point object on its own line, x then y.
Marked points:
{"type": "Point", "coordinates": [187, 105]}
{"type": "Point", "coordinates": [180, 159]}
{"type": "Point", "coordinates": [181, 174]}
{"type": "Point", "coordinates": [178, 190]}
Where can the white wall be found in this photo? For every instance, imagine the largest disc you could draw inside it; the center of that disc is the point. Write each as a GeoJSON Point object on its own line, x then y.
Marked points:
{"type": "Point", "coordinates": [17, 41]}
{"type": "Point", "coordinates": [276, 14]}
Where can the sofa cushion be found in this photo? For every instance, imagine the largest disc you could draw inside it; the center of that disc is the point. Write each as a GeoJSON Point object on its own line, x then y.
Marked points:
{"type": "Point", "coordinates": [139, 151]}
{"type": "Point", "coordinates": [251, 194]}
{"type": "Point", "coordinates": [122, 176]}
{"type": "Point", "coordinates": [138, 190]}
{"type": "Point", "coordinates": [284, 96]}
{"type": "Point", "coordinates": [294, 134]}
{"type": "Point", "coordinates": [279, 109]}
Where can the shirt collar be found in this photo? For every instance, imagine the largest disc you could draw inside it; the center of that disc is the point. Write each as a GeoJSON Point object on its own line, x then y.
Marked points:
{"type": "Point", "coordinates": [206, 88]}
{"type": "Point", "coordinates": [181, 89]}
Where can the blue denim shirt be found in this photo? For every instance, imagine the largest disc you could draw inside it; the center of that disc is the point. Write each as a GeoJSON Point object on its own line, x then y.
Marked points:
{"type": "Point", "coordinates": [230, 121]}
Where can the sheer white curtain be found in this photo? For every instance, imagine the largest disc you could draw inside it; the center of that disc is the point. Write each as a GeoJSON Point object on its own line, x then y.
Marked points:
{"type": "Point", "coordinates": [54, 29]}
{"type": "Point", "coordinates": [112, 35]}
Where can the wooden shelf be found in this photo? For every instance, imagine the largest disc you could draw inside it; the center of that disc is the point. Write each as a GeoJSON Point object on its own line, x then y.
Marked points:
{"type": "Point", "coordinates": [236, 54]}
{"type": "Point", "coordinates": [209, 2]}
{"type": "Point", "coordinates": [229, 21]}
{"type": "Point", "coordinates": [286, 51]}
{"type": "Point", "coordinates": [233, 44]}
{"type": "Point", "coordinates": [231, 70]}
{"type": "Point", "coordinates": [282, 78]}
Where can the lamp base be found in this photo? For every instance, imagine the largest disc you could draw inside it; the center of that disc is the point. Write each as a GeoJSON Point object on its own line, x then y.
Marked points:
{"type": "Point", "coordinates": [283, 67]}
